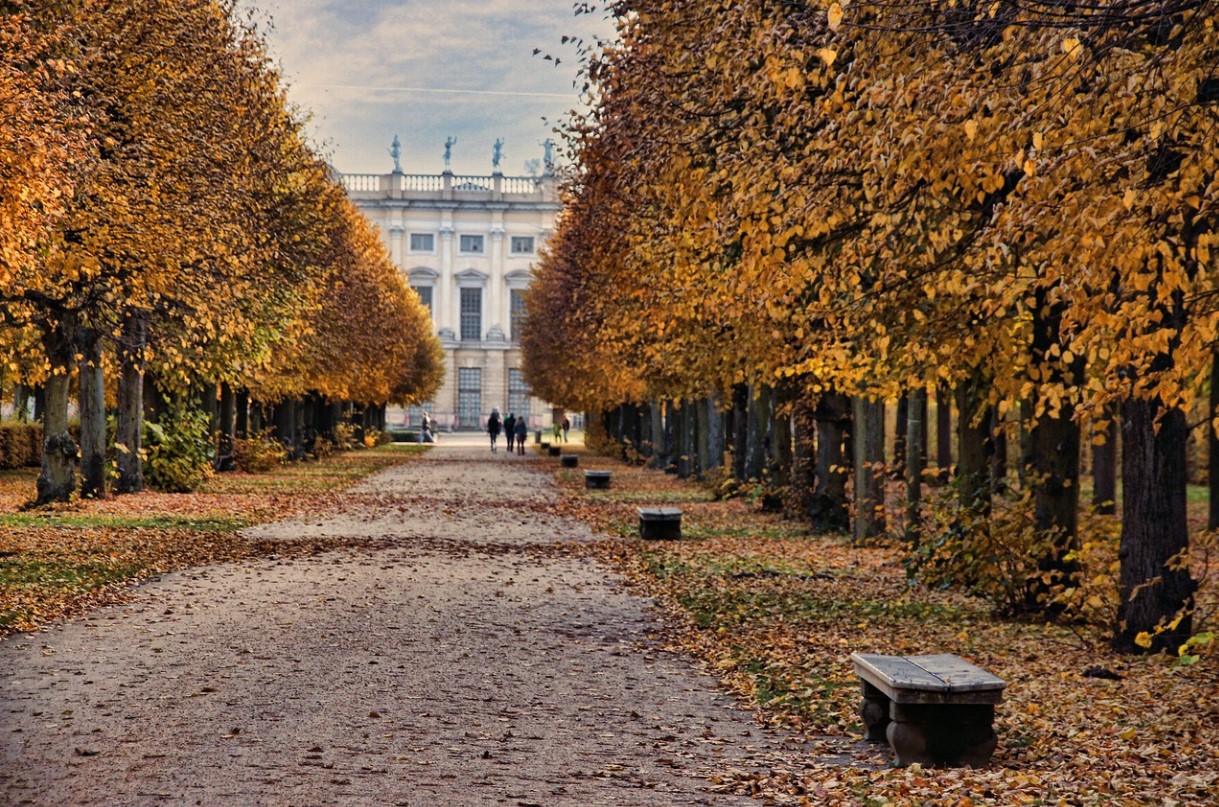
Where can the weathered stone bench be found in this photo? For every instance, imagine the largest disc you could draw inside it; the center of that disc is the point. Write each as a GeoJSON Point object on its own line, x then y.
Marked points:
{"type": "Point", "coordinates": [933, 710]}
{"type": "Point", "coordinates": [597, 480]}
{"type": "Point", "coordinates": [659, 523]}
{"type": "Point", "coordinates": [569, 460]}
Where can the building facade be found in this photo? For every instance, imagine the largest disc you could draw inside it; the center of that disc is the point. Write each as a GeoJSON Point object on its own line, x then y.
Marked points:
{"type": "Point", "coordinates": [467, 245]}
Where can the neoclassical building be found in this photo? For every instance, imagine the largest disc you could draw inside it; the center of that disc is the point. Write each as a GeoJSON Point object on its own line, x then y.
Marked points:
{"type": "Point", "coordinates": [467, 245]}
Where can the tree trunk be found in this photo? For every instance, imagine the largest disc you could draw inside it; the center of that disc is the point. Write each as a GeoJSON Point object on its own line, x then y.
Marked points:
{"type": "Point", "coordinates": [1056, 446]}
{"type": "Point", "coordinates": [702, 436]}
{"type": "Point", "coordinates": [804, 463]}
{"type": "Point", "coordinates": [829, 512]}
{"type": "Point", "coordinates": [740, 430]}
{"type": "Point", "coordinates": [243, 414]}
{"type": "Point", "coordinates": [92, 415]}
{"type": "Point", "coordinates": [869, 431]}
{"type": "Point", "coordinates": [57, 481]}
{"type": "Point", "coordinates": [974, 445]}
{"type": "Point", "coordinates": [900, 436]}
{"type": "Point", "coordinates": [916, 458]}
{"type": "Point", "coordinates": [691, 424]}
{"type": "Point", "coordinates": [1155, 584]}
{"type": "Point", "coordinates": [681, 433]}
{"type": "Point", "coordinates": [21, 403]}
{"type": "Point", "coordinates": [998, 455]}
{"type": "Point", "coordinates": [943, 431]}
{"type": "Point", "coordinates": [781, 449]}
{"type": "Point", "coordinates": [1212, 521]}
{"type": "Point", "coordinates": [656, 435]}
{"type": "Point", "coordinates": [713, 439]}
{"type": "Point", "coordinates": [226, 429]}
{"type": "Point", "coordinates": [759, 432]}
{"type": "Point", "coordinates": [129, 423]}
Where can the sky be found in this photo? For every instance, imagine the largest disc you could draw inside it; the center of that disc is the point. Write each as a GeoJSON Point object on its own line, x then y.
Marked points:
{"type": "Point", "coordinates": [428, 70]}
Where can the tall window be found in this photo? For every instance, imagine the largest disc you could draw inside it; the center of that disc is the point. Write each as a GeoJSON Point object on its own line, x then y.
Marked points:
{"type": "Point", "coordinates": [425, 296]}
{"type": "Point", "coordinates": [517, 313]}
{"type": "Point", "coordinates": [471, 314]}
{"type": "Point", "coordinates": [522, 245]}
{"type": "Point", "coordinates": [518, 394]}
{"type": "Point", "coordinates": [423, 242]}
{"type": "Point", "coordinates": [471, 244]}
{"type": "Point", "coordinates": [469, 397]}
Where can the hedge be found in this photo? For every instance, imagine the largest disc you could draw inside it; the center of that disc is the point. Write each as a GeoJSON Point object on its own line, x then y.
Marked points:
{"type": "Point", "coordinates": [20, 445]}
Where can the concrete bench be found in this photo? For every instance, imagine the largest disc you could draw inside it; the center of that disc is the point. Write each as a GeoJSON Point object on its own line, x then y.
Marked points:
{"type": "Point", "coordinates": [659, 523]}
{"type": "Point", "coordinates": [597, 480]}
{"type": "Point", "coordinates": [554, 451]}
{"type": "Point", "coordinates": [569, 460]}
{"type": "Point", "coordinates": [933, 710]}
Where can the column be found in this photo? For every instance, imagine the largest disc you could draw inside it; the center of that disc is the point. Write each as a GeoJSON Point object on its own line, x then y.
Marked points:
{"type": "Point", "coordinates": [446, 307]}
{"type": "Point", "coordinates": [395, 245]}
{"type": "Point", "coordinates": [495, 307]}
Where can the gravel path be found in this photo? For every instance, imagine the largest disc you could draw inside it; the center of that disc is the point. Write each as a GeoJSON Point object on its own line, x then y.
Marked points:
{"type": "Point", "coordinates": [456, 659]}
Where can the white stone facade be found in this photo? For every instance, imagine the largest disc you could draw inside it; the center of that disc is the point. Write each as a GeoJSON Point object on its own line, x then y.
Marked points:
{"type": "Point", "coordinates": [467, 245]}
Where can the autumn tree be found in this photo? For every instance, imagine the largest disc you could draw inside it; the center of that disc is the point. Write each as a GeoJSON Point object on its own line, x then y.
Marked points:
{"type": "Point", "coordinates": [868, 199]}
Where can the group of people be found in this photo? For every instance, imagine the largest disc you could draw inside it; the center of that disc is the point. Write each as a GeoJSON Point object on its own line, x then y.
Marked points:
{"type": "Point", "coordinates": [515, 429]}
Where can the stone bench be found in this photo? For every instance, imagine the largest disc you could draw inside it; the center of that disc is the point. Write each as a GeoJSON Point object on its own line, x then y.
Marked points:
{"type": "Point", "coordinates": [597, 480]}
{"type": "Point", "coordinates": [569, 460]}
{"type": "Point", "coordinates": [933, 710]}
{"type": "Point", "coordinates": [659, 523]}
{"type": "Point", "coordinates": [554, 451]}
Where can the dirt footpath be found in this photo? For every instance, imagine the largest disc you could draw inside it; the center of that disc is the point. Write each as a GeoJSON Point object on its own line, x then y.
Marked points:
{"type": "Point", "coordinates": [455, 659]}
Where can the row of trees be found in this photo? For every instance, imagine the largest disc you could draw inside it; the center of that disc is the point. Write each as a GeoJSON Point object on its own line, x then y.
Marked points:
{"type": "Point", "coordinates": [834, 205]}
{"type": "Point", "coordinates": [162, 218]}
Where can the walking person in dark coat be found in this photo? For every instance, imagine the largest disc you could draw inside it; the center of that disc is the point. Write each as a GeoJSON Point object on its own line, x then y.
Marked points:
{"type": "Point", "coordinates": [510, 430]}
{"type": "Point", "coordinates": [522, 428]}
{"type": "Point", "coordinates": [493, 427]}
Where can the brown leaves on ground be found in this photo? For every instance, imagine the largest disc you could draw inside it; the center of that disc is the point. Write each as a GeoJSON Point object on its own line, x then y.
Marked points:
{"type": "Point", "coordinates": [63, 560]}
{"type": "Point", "coordinates": [776, 612]}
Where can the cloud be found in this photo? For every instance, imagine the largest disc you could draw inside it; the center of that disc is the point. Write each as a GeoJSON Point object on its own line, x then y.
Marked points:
{"type": "Point", "coordinates": [370, 69]}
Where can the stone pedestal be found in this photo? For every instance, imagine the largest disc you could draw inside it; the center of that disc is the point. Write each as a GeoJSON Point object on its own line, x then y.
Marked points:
{"type": "Point", "coordinates": [660, 523]}
{"type": "Point", "coordinates": [942, 734]}
{"type": "Point", "coordinates": [932, 709]}
{"type": "Point", "coordinates": [597, 480]}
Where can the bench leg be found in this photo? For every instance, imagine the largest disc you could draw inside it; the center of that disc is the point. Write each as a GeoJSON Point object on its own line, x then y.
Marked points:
{"type": "Point", "coordinates": [874, 711]}
{"type": "Point", "coordinates": [942, 734]}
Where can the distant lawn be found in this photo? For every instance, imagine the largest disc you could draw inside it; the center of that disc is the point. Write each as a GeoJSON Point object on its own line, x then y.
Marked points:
{"type": "Point", "coordinates": [68, 557]}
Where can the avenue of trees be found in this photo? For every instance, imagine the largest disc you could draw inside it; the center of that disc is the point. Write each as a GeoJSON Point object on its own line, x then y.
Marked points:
{"type": "Point", "coordinates": [171, 245]}
{"type": "Point", "coordinates": [785, 215]}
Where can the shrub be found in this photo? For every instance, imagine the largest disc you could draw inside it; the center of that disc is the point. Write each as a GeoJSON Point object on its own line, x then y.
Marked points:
{"type": "Point", "coordinates": [385, 437]}
{"type": "Point", "coordinates": [258, 454]}
{"type": "Point", "coordinates": [20, 445]}
{"type": "Point", "coordinates": [996, 557]}
{"type": "Point", "coordinates": [344, 436]}
{"type": "Point", "coordinates": [179, 457]}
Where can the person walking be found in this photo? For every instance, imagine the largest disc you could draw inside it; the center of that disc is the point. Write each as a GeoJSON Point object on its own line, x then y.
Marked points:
{"type": "Point", "coordinates": [522, 429]}
{"type": "Point", "coordinates": [510, 430]}
{"type": "Point", "coordinates": [493, 427]}
{"type": "Point", "coordinates": [566, 427]}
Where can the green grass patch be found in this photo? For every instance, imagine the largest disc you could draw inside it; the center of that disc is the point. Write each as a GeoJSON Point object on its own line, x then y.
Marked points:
{"type": "Point", "coordinates": [96, 521]}
{"type": "Point", "coordinates": [68, 573]}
